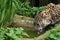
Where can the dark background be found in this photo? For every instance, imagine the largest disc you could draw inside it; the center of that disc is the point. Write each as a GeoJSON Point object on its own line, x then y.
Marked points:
{"type": "Point", "coordinates": [38, 3]}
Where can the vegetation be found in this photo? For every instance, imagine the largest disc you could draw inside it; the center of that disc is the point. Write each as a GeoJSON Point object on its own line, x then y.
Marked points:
{"type": "Point", "coordinates": [12, 33]}
{"type": "Point", "coordinates": [8, 9]}
{"type": "Point", "coordinates": [54, 34]}
{"type": "Point", "coordinates": [7, 12]}
{"type": "Point", "coordinates": [27, 10]}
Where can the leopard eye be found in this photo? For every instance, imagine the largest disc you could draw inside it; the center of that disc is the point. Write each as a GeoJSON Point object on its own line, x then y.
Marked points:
{"type": "Point", "coordinates": [36, 24]}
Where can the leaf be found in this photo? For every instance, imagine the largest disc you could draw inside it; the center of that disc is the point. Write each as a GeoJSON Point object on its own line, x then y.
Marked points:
{"type": "Point", "coordinates": [25, 34]}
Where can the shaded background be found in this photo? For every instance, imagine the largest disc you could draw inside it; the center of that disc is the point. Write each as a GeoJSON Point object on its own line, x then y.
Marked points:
{"type": "Point", "coordinates": [38, 3]}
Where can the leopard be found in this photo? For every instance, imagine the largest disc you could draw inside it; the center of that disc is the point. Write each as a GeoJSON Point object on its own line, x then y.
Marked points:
{"type": "Point", "coordinates": [47, 18]}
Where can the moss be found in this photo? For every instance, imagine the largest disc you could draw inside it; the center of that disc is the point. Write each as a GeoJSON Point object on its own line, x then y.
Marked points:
{"type": "Point", "coordinates": [30, 32]}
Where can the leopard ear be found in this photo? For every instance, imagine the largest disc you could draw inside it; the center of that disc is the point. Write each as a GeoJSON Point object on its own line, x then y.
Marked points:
{"type": "Point", "coordinates": [50, 5]}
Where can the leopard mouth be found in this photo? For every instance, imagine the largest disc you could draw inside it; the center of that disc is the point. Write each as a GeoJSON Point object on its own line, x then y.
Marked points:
{"type": "Point", "coordinates": [39, 31]}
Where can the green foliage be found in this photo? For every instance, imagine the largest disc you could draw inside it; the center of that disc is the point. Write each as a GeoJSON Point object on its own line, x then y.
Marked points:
{"type": "Point", "coordinates": [42, 8]}
{"type": "Point", "coordinates": [54, 34]}
{"type": "Point", "coordinates": [27, 10]}
{"type": "Point", "coordinates": [12, 33]}
{"type": "Point", "coordinates": [7, 12]}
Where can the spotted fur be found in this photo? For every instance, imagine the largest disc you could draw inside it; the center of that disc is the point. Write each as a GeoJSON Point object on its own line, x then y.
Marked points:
{"type": "Point", "coordinates": [49, 16]}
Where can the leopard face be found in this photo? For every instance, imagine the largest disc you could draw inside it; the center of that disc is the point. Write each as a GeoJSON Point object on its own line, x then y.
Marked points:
{"type": "Point", "coordinates": [41, 24]}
